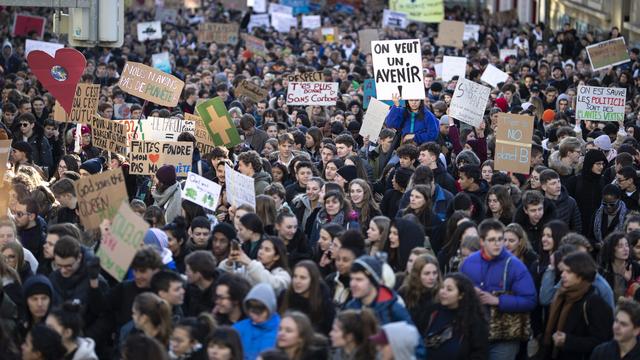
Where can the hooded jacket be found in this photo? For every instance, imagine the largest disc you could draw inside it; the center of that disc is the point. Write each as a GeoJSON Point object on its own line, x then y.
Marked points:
{"type": "Point", "coordinates": [261, 179]}
{"type": "Point", "coordinates": [403, 338]}
{"type": "Point", "coordinates": [258, 337]}
{"type": "Point", "coordinates": [534, 232]}
{"type": "Point", "coordinates": [586, 189]}
{"type": "Point", "coordinates": [386, 306]}
{"type": "Point", "coordinates": [567, 211]}
{"type": "Point", "coordinates": [170, 200]}
{"type": "Point", "coordinates": [426, 129]}
{"type": "Point", "coordinates": [411, 235]}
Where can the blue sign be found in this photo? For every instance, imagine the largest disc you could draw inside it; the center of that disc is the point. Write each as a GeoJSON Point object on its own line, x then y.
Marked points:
{"type": "Point", "coordinates": [370, 91]}
{"type": "Point", "coordinates": [299, 6]}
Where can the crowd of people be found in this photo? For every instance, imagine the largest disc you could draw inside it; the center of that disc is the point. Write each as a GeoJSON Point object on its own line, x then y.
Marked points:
{"type": "Point", "coordinates": [411, 245]}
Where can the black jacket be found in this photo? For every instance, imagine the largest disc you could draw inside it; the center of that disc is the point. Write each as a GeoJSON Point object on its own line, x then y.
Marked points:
{"type": "Point", "coordinates": [611, 351]}
{"type": "Point", "coordinates": [322, 322]}
{"type": "Point", "coordinates": [586, 189]}
{"type": "Point", "coordinates": [33, 238]}
{"type": "Point", "coordinates": [475, 346]}
{"type": "Point", "coordinates": [534, 232]}
{"type": "Point", "coordinates": [197, 300]}
{"type": "Point", "coordinates": [567, 211]}
{"type": "Point", "coordinates": [444, 179]}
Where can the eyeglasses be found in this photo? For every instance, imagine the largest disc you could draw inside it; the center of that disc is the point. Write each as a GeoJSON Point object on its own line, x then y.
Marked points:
{"type": "Point", "coordinates": [21, 214]}
{"type": "Point", "coordinates": [610, 204]}
{"type": "Point", "coordinates": [24, 124]}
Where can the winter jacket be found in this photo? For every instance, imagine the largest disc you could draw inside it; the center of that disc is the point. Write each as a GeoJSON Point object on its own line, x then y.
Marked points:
{"type": "Point", "coordinates": [586, 189]}
{"type": "Point", "coordinates": [611, 351]}
{"type": "Point", "coordinates": [567, 211]}
{"type": "Point", "coordinates": [328, 312]}
{"type": "Point", "coordinates": [278, 278]}
{"type": "Point", "coordinates": [170, 200]}
{"type": "Point", "coordinates": [444, 179]}
{"type": "Point", "coordinates": [441, 201]}
{"type": "Point", "coordinates": [261, 180]}
{"type": "Point", "coordinates": [257, 337]}
{"type": "Point", "coordinates": [548, 289]}
{"type": "Point", "coordinates": [198, 300]}
{"type": "Point", "coordinates": [386, 306]}
{"type": "Point", "coordinates": [293, 191]}
{"type": "Point", "coordinates": [33, 238]}
{"type": "Point", "coordinates": [348, 221]}
{"type": "Point", "coordinates": [566, 172]}
{"type": "Point", "coordinates": [488, 274]}
{"type": "Point", "coordinates": [534, 232]}
{"type": "Point", "coordinates": [473, 347]}
{"type": "Point", "coordinates": [425, 129]}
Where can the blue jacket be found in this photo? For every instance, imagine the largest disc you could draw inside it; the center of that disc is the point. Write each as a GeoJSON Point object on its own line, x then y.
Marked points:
{"type": "Point", "coordinates": [256, 338]}
{"type": "Point", "coordinates": [386, 307]}
{"type": "Point", "coordinates": [487, 275]}
{"type": "Point", "coordinates": [441, 201]}
{"type": "Point", "coordinates": [426, 129]}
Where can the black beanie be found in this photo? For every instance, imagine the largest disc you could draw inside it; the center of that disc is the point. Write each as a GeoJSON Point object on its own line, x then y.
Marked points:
{"type": "Point", "coordinates": [348, 172]}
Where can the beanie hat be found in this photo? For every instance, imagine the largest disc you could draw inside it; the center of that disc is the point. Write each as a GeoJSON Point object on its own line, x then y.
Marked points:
{"type": "Point", "coordinates": [337, 128]}
{"type": "Point", "coordinates": [37, 285]}
{"type": "Point", "coordinates": [603, 142]}
{"type": "Point", "coordinates": [444, 120]}
{"type": "Point", "coordinates": [348, 172]}
{"type": "Point", "coordinates": [92, 166]}
{"type": "Point", "coordinates": [84, 129]}
{"type": "Point", "coordinates": [469, 157]}
{"type": "Point", "coordinates": [548, 116]}
{"type": "Point", "coordinates": [166, 175]}
{"type": "Point", "coordinates": [502, 104]}
{"type": "Point", "coordinates": [402, 177]}
{"type": "Point", "coordinates": [22, 146]}
{"type": "Point", "coordinates": [371, 266]}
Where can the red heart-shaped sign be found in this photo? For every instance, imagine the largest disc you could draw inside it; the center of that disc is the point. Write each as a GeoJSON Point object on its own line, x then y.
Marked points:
{"type": "Point", "coordinates": [154, 158]}
{"type": "Point", "coordinates": [59, 74]}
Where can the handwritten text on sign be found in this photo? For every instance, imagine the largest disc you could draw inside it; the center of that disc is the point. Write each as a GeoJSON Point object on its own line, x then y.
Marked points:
{"type": "Point", "coordinates": [201, 191]}
{"type": "Point", "coordinates": [109, 135]}
{"type": "Point", "coordinates": [397, 66]}
{"type": "Point", "coordinates": [99, 196]}
{"type": "Point", "coordinates": [240, 188]}
{"type": "Point", "coordinates": [85, 105]}
{"type": "Point", "coordinates": [312, 93]}
{"type": "Point", "coordinates": [600, 103]}
{"type": "Point", "coordinates": [146, 157]}
{"type": "Point", "coordinates": [513, 143]}
{"type": "Point", "coordinates": [469, 102]}
{"type": "Point", "coordinates": [150, 84]}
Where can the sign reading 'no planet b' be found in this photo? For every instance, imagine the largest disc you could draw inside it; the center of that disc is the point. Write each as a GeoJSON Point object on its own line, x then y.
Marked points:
{"type": "Point", "coordinates": [397, 66]}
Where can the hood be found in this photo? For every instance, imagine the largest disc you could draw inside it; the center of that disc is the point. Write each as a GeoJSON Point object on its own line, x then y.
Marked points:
{"type": "Point", "coordinates": [590, 158]}
{"type": "Point", "coordinates": [264, 293]}
{"type": "Point", "coordinates": [159, 241]}
{"type": "Point", "coordinates": [412, 235]}
{"type": "Point", "coordinates": [403, 338]}
{"type": "Point", "coordinates": [556, 164]}
{"type": "Point", "coordinates": [262, 176]}
{"type": "Point", "coordinates": [562, 97]}
{"type": "Point", "coordinates": [86, 349]}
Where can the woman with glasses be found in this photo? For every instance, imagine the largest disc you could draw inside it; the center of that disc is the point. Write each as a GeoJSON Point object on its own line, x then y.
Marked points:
{"type": "Point", "coordinates": [609, 217]}
{"type": "Point", "coordinates": [67, 163]}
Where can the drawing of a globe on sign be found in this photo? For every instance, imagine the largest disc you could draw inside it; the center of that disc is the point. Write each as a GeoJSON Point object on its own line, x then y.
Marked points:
{"type": "Point", "coordinates": [59, 73]}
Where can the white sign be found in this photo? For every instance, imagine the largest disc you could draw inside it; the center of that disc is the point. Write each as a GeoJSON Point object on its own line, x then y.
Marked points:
{"type": "Point", "coordinates": [397, 68]}
{"type": "Point", "coordinates": [159, 129]}
{"type": "Point", "coordinates": [493, 76]}
{"type": "Point", "coordinates": [438, 69]}
{"type": "Point", "coordinates": [311, 22]}
{"type": "Point", "coordinates": [150, 31]}
{"type": "Point", "coordinates": [471, 31]}
{"type": "Point", "coordinates": [600, 103]}
{"type": "Point", "coordinates": [312, 93]}
{"type": "Point", "coordinates": [394, 19]}
{"type": "Point", "coordinates": [201, 191]}
{"type": "Point", "coordinates": [240, 188]}
{"type": "Point", "coordinates": [508, 52]}
{"type": "Point", "coordinates": [469, 102]}
{"type": "Point", "coordinates": [453, 66]}
{"type": "Point", "coordinates": [374, 118]}
{"type": "Point", "coordinates": [283, 22]}
{"type": "Point", "coordinates": [49, 48]}
{"type": "Point", "coordinates": [259, 6]}
{"type": "Point", "coordinates": [261, 20]}
{"type": "Point", "coordinates": [280, 9]}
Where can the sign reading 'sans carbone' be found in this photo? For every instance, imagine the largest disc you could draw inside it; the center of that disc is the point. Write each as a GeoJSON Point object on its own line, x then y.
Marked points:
{"type": "Point", "coordinates": [146, 157]}
{"type": "Point", "coordinates": [312, 93]}
{"type": "Point", "coordinates": [600, 103]}
{"type": "Point", "coordinates": [150, 84]}
{"type": "Point", "coordinates": [397, 66]}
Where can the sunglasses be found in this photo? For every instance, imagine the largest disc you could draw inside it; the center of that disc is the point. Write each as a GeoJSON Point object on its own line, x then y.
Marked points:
{"type": "Point", "coordinates": [610, 204]}
{"type": "Point", "coordinates": [24, 124]}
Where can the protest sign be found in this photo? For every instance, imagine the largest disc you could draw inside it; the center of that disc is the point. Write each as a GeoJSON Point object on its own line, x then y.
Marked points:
{"type": "Point", "coordinates": [255, 44]}
{"type": "Point", "coordinates": [99, 196]}
{"type": "Point", "coordinates": [283, 22]}
{"type": "Point", "coordinates": [397, 66]}
{"type": "Point", "coordinates": [608, 53]}
{"type": "Point", "coordinates": [471, 32]}
{"type": "Point", "coordinates": [312, 93]}
{"type": "Point", "coordinates": [216, 118]}
{"type": "Point", "coordinates": [109, 135]}
{"type": "Point", "coordinates": [600, 103]}
{"type": "Point", "coordinates": [149, 31]}
{"type": "Point", "coordinates": [161, 62]}
{"type": "Point", "coordinates": [5, 150]}
{"type": "Point", "coordinates": [259, 6]}
{"type": "Point", "coordinates": [438, 69]}
{"type": "Point", "coordinates": [240, 188]}
{"type": "Point", "coordinates": [453, 66]}
{"type": "Point", "coordinates": [150, 84]}
{"type": "Point", "coordinates": [275, 8]}
{"type": "Point", "coordinates": [311, 22]}
{"type": "Point", "coordinates": [238, 5]}
{"type": "Point", "coordinates": [313, 76]}
{"type": "Point", "coordinates": [394, 19]}
{"type": "Point", "coordinates": [365, 38]}
{"type": "Point", "coordinates": [166, 15]}
{"type": "Point", "coordinates": [513, 143]}
{"type": "Point", "coordinates": [469, 102]}
{"type": "Point", "coordinates": [328, 34]}
{"type": "Point", "coordinates": [146, 157]}
{"type": "Point", "coordinates": [504, 53]}
{"type": "Point", "coordinates": [48, 47]}
{"type": "Point", "coordinates": [219, 33]}
{"type": "Point", "coordinates": [251, 90]}
{"type": "Point", "coordinates": [369, 92]}
{"type": "Point", "coordinates": [429, 11]}
{"type": "Point", "coordinates": [298, 6]}
{"type": "Point", "coordinates": [85, 105]}
{"type": "Point", "coordinates": [201, 191]}
{"type": "Point", "coordinates": [119, 245]}
{"type": "Point", "coordinates": [24, 25]}
{"type": "Point", "coordinates": [450, 33]}
{"type": "Point", "coordinates": [156, 128]}
{"type": "Point", "coordinates": [494, 76]}
{"type": "Point", "coordinates": [259, 20]}
{"type": "Point", "coordinates": [374, 119]}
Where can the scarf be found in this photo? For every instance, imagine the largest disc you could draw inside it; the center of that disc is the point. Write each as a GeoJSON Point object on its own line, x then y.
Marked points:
{"type": "Point", "coordinates": [621, 210]}
{"type": "Point", "coordinates": [560, 307]}
{"type": "Point", "coordinates": [413, 122]}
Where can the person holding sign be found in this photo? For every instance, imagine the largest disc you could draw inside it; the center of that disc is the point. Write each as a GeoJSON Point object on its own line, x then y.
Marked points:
{"type": "Point", "coordinates": [415, 122]}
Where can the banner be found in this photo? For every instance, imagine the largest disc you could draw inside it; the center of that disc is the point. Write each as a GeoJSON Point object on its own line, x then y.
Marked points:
{"type": "Point", "coordinates": [48, 47]}
{"type": "Point", "coordinates": [454, 66]}
{"type": "Point", "coordinates": [251, 90]}
{"type": "Point", "coordinates": [146, 157]}
{"type": "Point", "coordinates": [24, 25]}
{"type": "Point", "coordinates": [255, 45]}
{"type": "Point", "coordinates": [149, 31]}
{"type": "Point", "coordinates": [374, 119]}
{"type": "Point", "coordinates": [450, 33]}
{"type": "Point", "coordinates": [311, 22]}
{"type": "Point", "coordinates": [313, 76]}
{"type": "Point", "coordinates": [201, 191]}
{"type": "Point", "coordinates": [608, 53]}
{"type": "Point", "coordinates": [99, 196]}
{"type": "Point", "coordinates": [240, 188]}
{"type": "Point", "coordinates": [469, 102]}
{"type": "Point", "coordinates": [150, 84]}
{"type": "Point", "coordinates": [328, 34]}
{"type": "Point", "coordinates": [85, 105]}
{"type": "Point", "coordinates": [494, 76]}
{"type": "Point", "coordinates": [219, 33]}
{"type": "Point", "coordinates": [216, 118]}
{"type": "Point", "coordinates": [397, 66]}
{"type": "Point", "coordinates": [365, 38]}
{"type": "Point", "coordinates": [109, 135]}
{"type": "Point", "coordinates": [156, 128]}
{"type": "Point", "coordinates": [120, 244]}
{"type": "Point", "coordinates": [513, 143]}
{"type": "Point", "coordinates": [428, 11]}
{"type": "Point", "coordinates": [600, 103]}
{"type": "Point", "coordinates": [258, 20]}
{"type": "Point", "coordinates": [312, 93]}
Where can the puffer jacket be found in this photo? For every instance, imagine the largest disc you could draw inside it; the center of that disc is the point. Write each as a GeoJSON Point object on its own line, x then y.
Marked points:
{"type": "Point", "coordinates": [425, 130]}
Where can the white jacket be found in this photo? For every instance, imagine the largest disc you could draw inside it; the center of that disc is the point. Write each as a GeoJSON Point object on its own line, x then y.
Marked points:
{"type": "Point", "coordinates": [256, 273]}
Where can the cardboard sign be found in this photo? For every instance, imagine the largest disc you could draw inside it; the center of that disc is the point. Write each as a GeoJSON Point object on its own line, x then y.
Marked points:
{"type": "Point", "coordinates": [397, 66]}
{"type": "Point", "coordinates": [608, 53]}
{"type": "Point", "coordinates": [283, 22]}
{"type": "Point", "coordinates": [24, 25]}
{"type": "Point", "coordinates": [219, 33]}
{"type": "Point", "coordinates": [365, 38]}
{"type": "Point", "coordinates": [204, 142]}
{"type": "Point", "coordinates": [259, 20]}
{"type": "Point", "coordinates": [312, 93]}
{"type": "Point", "coordinates": [255, 44]}
{"type": "Point", "coordinates": [513, 143]}
{"type": "Point", "coordinates": [453, 66]}
{"type": "Point", "coordinates": [5, 150]}
{"type": "Point", "coordinates": [150, 84]}
{"type": "Point", "coordinates": [216, 118]}
{"type": "Point", "coordinates": [428, 11]}
{"type": "Point", "coordinates": [504, 53]}
{"type": "Point", "coordinates": [469, 102]}
{"type": "Point", "coordinates": [201, 191]}
{"type": "Point", "coordinates": [99, 196]}
{"type": "Point", "coordinates": [119, 245]}
{"type": "Point", "coordinates": [311, 22]}
{"type": "Point", "coordinates": [374, 119]}
{"type": "Point", "coordinates": [314, 76]}
{"type": "Point", "coordinates": [156, 128]}
{"type": "Point", "coordinates": [49, 48]}
{"type": "Point", "coordinates": [240, 188]}
{"type": "Point", "coordinates": [600, 103]}
{"type": "Point", "coordinates": [494, 76]}
{"type": "Point", "coordinates": [450, 33]}
{"type": "Point", "coordinates": [85, 105]}
{"type": "Point", "coordinates": [146, 157]}
{"type": "Point", "coordinates": [251, 90]}
{"type": "Point", "coordinates": [149, 31]}
{"type": "Point", "coordinates": [394, 19]}
{"type": "Point", "coordinates": [109, 135]}
{"type": "Point", "coordinates": [471, 32]}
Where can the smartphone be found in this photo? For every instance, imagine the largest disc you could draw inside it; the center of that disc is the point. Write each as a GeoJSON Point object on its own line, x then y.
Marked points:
{"type": "Point", "coordinates": [235, 244]}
